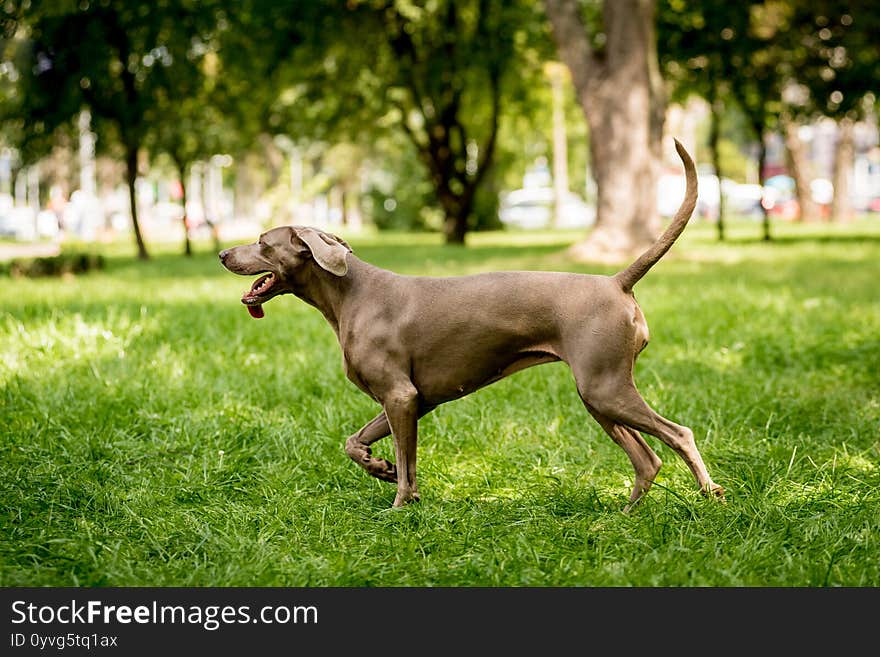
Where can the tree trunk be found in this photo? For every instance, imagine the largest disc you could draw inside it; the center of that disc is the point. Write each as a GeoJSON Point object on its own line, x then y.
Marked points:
{"type": "Point", "coordinates": [351, 205]}
{"type": "Point", "coordinates": [622, 98]}
{"type": "Point", "coordinates": [799, 166]}
{"type": "Point", "coordinates": [206, 210]}
{"type": "Point", "coordinates": [841, 207]}
{"type": "Point", "coordinates": [456, 212]}
{"type": "Point", "coordinates": [454, 229]}
{"type": "Point", "coordinates": [560, 142]}
{"type": "Point", "coordinates": [441, 141]}
{"type": "Point", "coordinates": [343, 204]}
{"type": "Point", "coordinates": [762, 162]}
{"type": "Point", "coordinates": [716, 109]}
{"type": "Point", "coordinates": [456, 189]}
{"type": "Point", "coordinates": [181, 171]}
{"type": "Point", "coordinates": [131, 156]}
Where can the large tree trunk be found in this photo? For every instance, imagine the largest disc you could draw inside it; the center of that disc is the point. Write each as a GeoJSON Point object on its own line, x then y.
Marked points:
{"type": "Point", "coordinates": [131, 156]}
{"type": "Point", "coordinates": [622, 97]}
{"type": "Point", "coordinates": [841, 207]}
{"type": "Point", "coordinates": [799, 167]}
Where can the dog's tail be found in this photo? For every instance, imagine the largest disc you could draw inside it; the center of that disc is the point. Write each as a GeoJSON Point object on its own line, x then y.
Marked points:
{"type": "Point", "coordinates": [632, 274]}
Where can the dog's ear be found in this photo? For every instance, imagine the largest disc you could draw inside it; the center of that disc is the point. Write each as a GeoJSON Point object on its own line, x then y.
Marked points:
{"type": "Point", "coordinates": [328, 250]}
{"type": "Point", "coordinates": [338, 239]}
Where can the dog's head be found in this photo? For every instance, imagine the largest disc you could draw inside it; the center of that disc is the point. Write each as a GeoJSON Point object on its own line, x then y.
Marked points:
{"type": "Point", "coordinates": [281, 255]}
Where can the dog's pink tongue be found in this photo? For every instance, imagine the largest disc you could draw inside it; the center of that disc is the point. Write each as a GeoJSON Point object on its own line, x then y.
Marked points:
{"type": "Point", "coordinates": [256, 311]}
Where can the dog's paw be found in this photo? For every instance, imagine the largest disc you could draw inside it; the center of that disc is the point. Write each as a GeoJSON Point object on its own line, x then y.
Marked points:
{"type": "Point", "coordinates": [384, 470]}
{"type": "Point", "coordinates": [381, 469]}
{"type": "Point", "coordinates": [403, 500]}
{"type": "Point", "coordinates": [714, 490]}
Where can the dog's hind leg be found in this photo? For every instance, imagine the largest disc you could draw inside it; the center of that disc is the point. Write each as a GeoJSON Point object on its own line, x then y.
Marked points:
{"type": "Point", "coordinates": [358, 446]}
{"type": "Point", "coordinates": [630, 409]}
{"type": "Point", "coordinates": [644, 460]}
{"type": "Point", "coordinates": [613, 394]}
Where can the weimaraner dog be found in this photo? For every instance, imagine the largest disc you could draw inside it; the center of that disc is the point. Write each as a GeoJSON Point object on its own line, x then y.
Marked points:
{"type": "Point", "coordinates": [414, 342]}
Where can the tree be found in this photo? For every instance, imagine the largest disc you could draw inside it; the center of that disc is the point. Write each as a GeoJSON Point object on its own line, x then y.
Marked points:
{"type": "Point", "coordinates": [785, 62]}
{"type": "Point", "coordinates": [613, 62]}
{"type": "Point", "coordinates": [758, 71]}
{"type": "Point", "coordinates": [836, 62]}
{"type": "Point", "coordinates": [432, 69]}
{"type": "Point", "coordinates": [437, 73]}
{"type": "Point", "coordinates": [179, 135]}
{"type": "Point", "coordinates": [109, 57]}
{"type": "Point", "coordinates": [695, 43]}
{"type": "Point", "coordinates": [183, 119]}
{"type": "Point", "coordinates": [817, 46]}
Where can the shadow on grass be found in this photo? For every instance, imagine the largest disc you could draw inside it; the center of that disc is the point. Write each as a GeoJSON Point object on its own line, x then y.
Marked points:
{"type": "Point", "coordinates": [791, 240]}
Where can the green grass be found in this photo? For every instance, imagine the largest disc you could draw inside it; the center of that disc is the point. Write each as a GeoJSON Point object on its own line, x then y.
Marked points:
{"type": "Point", "coordinates": [151, 434]}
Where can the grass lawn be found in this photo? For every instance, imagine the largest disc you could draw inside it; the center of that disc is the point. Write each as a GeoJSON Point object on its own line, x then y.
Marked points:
{"type": "Point", "coordinates": [152, 433]}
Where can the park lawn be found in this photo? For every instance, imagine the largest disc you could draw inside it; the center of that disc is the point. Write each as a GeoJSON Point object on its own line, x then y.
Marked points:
{"type": "Point", "coordinates": [152, 433]}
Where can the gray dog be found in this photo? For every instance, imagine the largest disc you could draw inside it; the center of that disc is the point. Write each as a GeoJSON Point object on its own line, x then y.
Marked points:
{"type": "Point", "coordinates": [414, 342]}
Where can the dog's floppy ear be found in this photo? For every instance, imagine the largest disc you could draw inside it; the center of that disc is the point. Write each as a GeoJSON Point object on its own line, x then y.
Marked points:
{"type": "Point", "coordinates": [327, 250]}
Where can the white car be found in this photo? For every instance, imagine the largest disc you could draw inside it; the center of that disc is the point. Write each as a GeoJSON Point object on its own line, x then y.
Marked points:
{"type": "Point", "coordinates": [534, 207]}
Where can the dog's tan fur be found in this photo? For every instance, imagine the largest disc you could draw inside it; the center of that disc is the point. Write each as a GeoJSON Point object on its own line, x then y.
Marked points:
{"type": "Point", "coordinates": [413, 342]}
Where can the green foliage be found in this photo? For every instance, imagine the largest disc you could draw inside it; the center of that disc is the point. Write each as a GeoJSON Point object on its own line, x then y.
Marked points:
{"type": "Point", "coordinates": [448, 96]}
{"type": "Point", "coordinates": [459, 80]}
{"type": "Point", "coordinates": [734, 163]}
{"type": "Point", "coordinates": [271, 62]}
{"type": "Point", "coordinates": [724, 50]}
{"type": "Point", "coordinates": [152, 433]}
{"type": "Point", "coordinates": [116, 58]}
{"type": "Point", "coordinates": [733, 152]}
{"type": "Point", "coordinates": [486, 205]}
{"type": "Point", "coordinates": [439, 74]}
{"type": "Point", "coordinates": [133, 66]}
{"type": "Point", "coordinates": [824, 55]}
{"type": "Point", "coordinates": [836, 57]}
{"type": "Point", "coordinates": [399, 195]}
{"type": "Point", "coordinates": [446, 66]}
{"type": "Point", "coordinates": [526, 135]}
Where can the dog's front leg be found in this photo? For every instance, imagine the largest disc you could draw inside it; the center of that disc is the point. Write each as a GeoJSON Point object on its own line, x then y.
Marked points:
{"type": "Point", "coordinates": [358, 448]}
{"type": "Point", "coordinates": [402, 410]}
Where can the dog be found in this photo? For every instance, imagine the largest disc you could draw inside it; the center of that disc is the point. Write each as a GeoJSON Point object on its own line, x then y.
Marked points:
{"type": "Point", "coordinates": [414, 342]}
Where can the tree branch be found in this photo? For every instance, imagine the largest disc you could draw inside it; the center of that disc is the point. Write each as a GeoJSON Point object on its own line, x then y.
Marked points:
{"type": "Point", "coordinates": [574, 47]}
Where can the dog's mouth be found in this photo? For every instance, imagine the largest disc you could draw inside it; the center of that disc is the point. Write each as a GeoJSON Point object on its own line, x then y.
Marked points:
{"type": "Point", "coordinates": [263, 289]}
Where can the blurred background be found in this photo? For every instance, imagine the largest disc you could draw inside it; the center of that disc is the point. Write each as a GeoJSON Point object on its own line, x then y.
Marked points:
{"type": "Point", "coordinates": [177, 120]}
